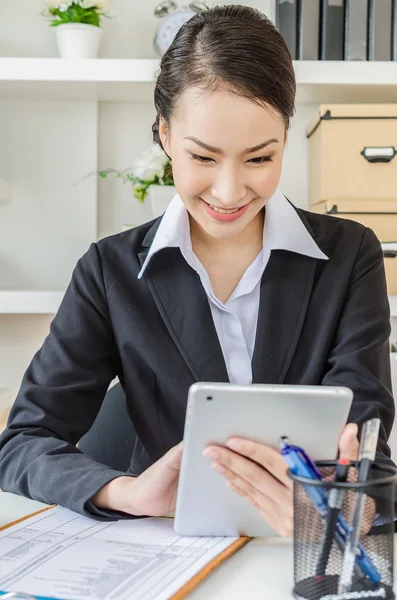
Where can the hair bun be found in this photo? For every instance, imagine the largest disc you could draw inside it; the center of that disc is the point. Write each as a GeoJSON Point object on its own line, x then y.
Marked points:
{"type": "Point", "coordinates": [155, 131]}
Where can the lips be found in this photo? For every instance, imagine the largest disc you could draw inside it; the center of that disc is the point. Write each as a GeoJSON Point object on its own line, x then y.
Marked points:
{"type": "Point", "coordinates": [223, 211]}
{"type": "Point", "coordinates": [225, 216]}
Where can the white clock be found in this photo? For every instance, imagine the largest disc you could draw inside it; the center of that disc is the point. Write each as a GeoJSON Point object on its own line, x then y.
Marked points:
{"type": "Point", "coordinates": [172, 19]}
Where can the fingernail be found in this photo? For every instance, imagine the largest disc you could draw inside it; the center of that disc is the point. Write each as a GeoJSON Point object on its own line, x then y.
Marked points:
{"type": "Point", "coordinates": [234, 444]}
{"type": "Point", "coordinates": [217, 467]}
{"type": "Point", "coordinates": [210, 453]}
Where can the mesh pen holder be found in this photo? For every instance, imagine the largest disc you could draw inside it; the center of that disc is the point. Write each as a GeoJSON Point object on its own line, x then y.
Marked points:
{"type": "Point", "coordinates": [318, 577]}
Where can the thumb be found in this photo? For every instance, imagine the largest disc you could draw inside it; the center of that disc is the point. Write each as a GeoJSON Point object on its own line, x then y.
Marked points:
{"type": "Point", "coordinates": [348, 442]}
{"type": "Point", "coordinates": [173, 457]}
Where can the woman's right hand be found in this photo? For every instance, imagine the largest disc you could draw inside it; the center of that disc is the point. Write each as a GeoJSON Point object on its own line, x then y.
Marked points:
{"type": "Point", "coordinates": [152, 494]}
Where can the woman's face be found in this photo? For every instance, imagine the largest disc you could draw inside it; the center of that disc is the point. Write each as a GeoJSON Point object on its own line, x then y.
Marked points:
{"type": "Point", "coordinates": [223, 182]}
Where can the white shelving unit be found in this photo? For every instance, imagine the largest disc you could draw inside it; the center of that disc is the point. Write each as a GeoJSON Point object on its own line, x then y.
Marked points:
{"type": "Point", "coordinates": [126, 80]}
{"type": "Point", "coordinates": [29, 302]}
{"type": "Point", "coordinates": [46, 303]}
{"type": "Point", "coordinates": [393, 306]}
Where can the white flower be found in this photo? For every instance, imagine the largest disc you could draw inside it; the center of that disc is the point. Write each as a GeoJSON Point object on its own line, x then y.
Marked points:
{"type": "Point", "coordinates": [150, 164]}
{"type": "Point", "coordinates": [64, 4]}
{"type": "Point", "coordinates": [53, 3]}
{"type": "Point", "coordinates": [99, 4]}
{"type": "Point", "coordinates": [111, 14]}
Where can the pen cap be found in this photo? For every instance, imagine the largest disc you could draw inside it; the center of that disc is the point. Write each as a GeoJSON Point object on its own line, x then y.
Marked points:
{"type": "Point", "coordinates": [369, 440]}
{"type": "Point", "coordinates": [320, 535]}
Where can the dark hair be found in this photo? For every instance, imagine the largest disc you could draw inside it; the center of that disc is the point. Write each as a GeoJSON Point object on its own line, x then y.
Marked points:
{"type": "Point", "coordinates": [235, 47]}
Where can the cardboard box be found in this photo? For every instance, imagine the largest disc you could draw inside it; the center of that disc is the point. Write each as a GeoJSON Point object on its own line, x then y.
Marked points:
{"type": "Point", "coordinates": [353, 153]}
{"type": "Point", "coordinates": [383, 223]}
{"type": "Point", "coordinates": [391, 276]}
{"type": "Point", "coordinates": [390, 257]}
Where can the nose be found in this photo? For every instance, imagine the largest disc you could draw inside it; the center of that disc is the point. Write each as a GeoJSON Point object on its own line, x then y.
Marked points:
{"type": "Point", "coordinates": [229, 188]}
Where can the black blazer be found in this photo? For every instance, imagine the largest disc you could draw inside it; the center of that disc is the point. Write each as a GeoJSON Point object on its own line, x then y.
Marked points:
{"type": "Point", "coordinates": [320, 322]}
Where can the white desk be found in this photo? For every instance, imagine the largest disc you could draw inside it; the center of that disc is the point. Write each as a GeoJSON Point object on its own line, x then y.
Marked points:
{"type": "Point", "coordinates": [261, 569]}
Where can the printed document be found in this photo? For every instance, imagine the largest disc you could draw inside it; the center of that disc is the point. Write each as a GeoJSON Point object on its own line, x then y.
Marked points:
{"type": "Point", "coordinates": [63, 555]}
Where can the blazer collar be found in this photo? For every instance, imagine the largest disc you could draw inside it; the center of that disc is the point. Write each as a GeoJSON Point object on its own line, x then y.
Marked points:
{"type": "Point", "coordinates": [283, 230]}
{"type": "Point", "coordinates": [286, 287]}
{"type": "Point", "coordinates": [183, 304]}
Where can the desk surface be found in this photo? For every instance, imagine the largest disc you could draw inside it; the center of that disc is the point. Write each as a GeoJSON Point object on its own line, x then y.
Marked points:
{"type": "Point", "coordinates": [261, 569]}
{"type": "Point", "coordinates": [258, 566]}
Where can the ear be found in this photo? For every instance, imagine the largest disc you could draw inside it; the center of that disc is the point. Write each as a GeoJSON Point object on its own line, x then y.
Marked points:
{"type": "Point", "coordinates": [164, 135]}
{"type": "Point", "coordinates": [286, 136]}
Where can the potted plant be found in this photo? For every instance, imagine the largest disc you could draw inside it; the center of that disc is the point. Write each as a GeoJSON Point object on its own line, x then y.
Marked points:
{"type": "Point", "coordinates": [151, 176]}
{"type": "Point", "coordinates": [77, 26]}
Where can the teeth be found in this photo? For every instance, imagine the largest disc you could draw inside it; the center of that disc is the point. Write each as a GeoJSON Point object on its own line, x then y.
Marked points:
{"type": "Point", "coordinates": [223, 212]}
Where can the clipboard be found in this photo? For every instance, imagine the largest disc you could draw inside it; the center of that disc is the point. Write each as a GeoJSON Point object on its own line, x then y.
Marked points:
{"type": "Point", "coordinates": [188, 587]}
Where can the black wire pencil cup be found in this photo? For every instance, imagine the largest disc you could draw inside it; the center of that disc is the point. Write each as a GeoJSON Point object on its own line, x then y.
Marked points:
{"type": "Point", "coordinates": [344, 513]}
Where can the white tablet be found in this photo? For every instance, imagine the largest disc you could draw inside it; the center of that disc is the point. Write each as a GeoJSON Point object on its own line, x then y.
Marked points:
{"type": "Point", "coordinates": [310, 416]}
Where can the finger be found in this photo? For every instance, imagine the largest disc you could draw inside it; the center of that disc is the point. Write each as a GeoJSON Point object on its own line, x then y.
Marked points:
{"type": "Point", "coordinates": [267, 457]}
{"type": "Point", "coordinates": [348, 442]}
{"type": "Point", "coordinates": [279, 515]}
{"type": "Point", "coordinates": [235, 467]}
{"type": "Point", "coordinates": [263, 509]}
{"type": "Point", "coordinates": [234, 464]}
{"type": "Point", "coordinates": [173, 457]}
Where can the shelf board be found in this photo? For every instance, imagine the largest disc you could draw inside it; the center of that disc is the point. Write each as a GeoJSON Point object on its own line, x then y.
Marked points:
{"type": "Point", "coordinates": [393, 305]}
{"type": "Point", "coordinates": [346, 81]}
{"type": "Point", "coordinates": [41, 302]}
{"type": "Point", "coordinates": [106, 79]}
{"type": "Point", "coordinates": [29, 302]}
{"type": "Point", "coordinates": [129, 79]}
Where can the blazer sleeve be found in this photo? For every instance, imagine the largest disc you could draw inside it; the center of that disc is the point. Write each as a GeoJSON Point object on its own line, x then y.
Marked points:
{"type": "Point", "coordinates": [59, 398]}
{"type": "Point", "coordinates": [360, 355]}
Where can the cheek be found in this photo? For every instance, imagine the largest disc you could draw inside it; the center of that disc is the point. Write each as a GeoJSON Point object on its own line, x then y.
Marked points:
{"type": "Point", "coordinates": [268, 179]}
{"type": "Point", "coordinates": [272, 172]}
{"type": "Point", "coordinates": [189, 179]}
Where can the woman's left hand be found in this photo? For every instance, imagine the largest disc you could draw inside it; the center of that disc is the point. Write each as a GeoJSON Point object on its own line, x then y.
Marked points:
{"type": "Point", "coordinates": [259, 473]}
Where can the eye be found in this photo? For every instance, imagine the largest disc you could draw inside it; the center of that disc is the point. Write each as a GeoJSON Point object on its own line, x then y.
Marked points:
{"type": "Point", "coordinates": [260, 160]}
{"type": "Point", "coordinates": [200, 158]}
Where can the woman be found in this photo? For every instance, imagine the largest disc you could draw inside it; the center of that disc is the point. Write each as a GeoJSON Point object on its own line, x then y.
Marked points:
{"type": "Point", "coordinates": [232, 284]}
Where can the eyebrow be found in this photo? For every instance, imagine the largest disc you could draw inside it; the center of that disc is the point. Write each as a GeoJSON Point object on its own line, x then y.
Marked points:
{"type": "Point", "coordinates": [219, 151]}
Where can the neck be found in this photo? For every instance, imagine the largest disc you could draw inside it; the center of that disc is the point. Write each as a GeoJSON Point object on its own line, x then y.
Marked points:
{"type": "Point", "coordinates": [250, 239]}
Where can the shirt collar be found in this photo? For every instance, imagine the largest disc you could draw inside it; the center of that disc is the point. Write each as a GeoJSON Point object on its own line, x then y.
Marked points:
{"type": "Point", "coordinates": [283, 230]}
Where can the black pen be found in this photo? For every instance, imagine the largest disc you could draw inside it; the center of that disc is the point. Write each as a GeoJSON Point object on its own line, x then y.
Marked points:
{"type": "Point", "coordinates": [335, 501]}
{"type": "Point", "coordinates": [366, 456]}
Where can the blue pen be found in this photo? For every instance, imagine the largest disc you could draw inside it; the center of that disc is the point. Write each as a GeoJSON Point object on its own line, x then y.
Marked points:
{"type": "Point", "coordinates": [301, 464]}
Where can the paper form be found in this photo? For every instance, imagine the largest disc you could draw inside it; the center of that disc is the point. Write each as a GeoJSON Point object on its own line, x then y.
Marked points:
{"type": "Point", "coordinates": [60, 554]}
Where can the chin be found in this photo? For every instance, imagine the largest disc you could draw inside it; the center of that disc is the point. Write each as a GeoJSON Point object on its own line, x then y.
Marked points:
{"type": "Point", "coordinates": [223, 231]}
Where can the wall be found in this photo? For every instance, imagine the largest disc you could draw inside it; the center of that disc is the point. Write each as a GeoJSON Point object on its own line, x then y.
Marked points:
{"type": "Point", "coordinates": [46, 147]}
{"type": "Point", "coordinates": [23, 32]}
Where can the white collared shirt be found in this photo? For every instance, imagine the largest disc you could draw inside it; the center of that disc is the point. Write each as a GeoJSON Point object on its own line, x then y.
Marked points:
{"type": "Point", "coordinates": [236, 320]}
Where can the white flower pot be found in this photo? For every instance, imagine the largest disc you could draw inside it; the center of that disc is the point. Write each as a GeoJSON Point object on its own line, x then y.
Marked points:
{"type": "Point", "coordinates": [78, 40]}
{"type": "Point", "coordinates": [159, 198]}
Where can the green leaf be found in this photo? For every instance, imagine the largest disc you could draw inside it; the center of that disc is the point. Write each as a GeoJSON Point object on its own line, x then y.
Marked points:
{"type": "Point", "coordinates": [91, 19]}
{"type": "Point", "coordinates": [76, 14]}
{"type": "Point", "coordinates": [105, 173]}
{"type": "Point", "coordinates": [140, 193]}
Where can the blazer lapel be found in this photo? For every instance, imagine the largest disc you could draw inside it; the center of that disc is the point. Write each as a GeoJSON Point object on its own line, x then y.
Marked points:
{"type": "Point", "coordinates": [184, 307]}
{"type": "Point", "coordinates": [285, 291]}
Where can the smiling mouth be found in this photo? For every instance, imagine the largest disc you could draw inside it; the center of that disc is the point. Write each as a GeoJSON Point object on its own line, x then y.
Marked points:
{"type": "Point", "coordinates": [222, 211]}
